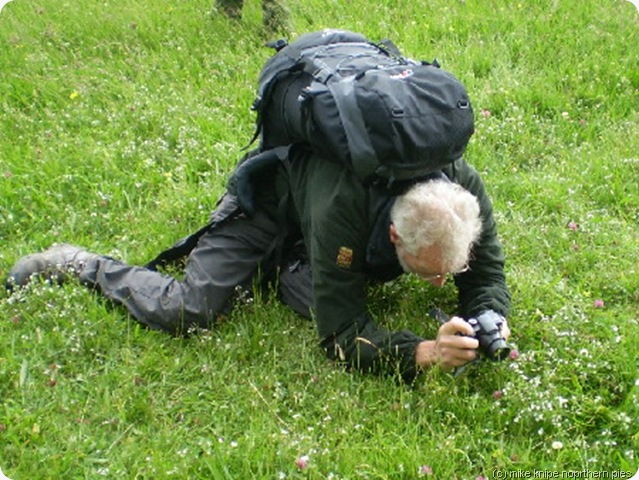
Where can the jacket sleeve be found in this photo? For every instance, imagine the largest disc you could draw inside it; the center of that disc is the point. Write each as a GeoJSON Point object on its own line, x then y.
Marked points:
{"type": "Point", "coordinates": [333, 210]}
{"type": "Point", "coordinates": [483, 287]}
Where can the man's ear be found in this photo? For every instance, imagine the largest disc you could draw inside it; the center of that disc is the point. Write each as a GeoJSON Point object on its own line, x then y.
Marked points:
{"type": "Point", "coordinates": [394, 237]}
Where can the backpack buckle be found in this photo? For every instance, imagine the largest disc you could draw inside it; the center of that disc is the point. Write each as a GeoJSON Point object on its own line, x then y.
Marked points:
{"type": "Point", "coordinates": [278, 44]}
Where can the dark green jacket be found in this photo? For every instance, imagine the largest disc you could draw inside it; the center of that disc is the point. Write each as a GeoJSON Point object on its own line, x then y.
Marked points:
{"type": "Point", "coordinates": [346, 230]}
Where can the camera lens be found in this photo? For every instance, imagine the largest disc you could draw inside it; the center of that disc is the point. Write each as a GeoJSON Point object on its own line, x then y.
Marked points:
{"type": "Point", "coordinates": [499, 351]}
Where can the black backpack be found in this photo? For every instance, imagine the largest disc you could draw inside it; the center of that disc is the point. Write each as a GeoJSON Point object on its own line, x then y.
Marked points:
{"type": "Point", "coordinates": [363, 104]}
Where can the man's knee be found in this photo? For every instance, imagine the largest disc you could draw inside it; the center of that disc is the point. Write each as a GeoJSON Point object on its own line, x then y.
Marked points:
{"type": "Point", "coordinates": [184, 313]}
{"type": "Point", "coordinates": [296, 285]}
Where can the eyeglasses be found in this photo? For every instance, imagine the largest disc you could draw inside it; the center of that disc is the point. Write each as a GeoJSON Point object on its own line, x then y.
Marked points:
{"type": "Point", "coordinates": [439, 276]}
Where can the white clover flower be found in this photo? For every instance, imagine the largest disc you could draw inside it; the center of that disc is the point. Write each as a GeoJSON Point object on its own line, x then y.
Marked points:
{"type": "Point", "coordinates": [557, 445]}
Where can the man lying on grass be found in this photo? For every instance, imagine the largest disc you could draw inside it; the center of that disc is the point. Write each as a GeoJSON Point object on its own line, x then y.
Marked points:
{"type": "Point", "coordinates": [311, 223]}
{"type": "Point", "coordinates": [437, 228]}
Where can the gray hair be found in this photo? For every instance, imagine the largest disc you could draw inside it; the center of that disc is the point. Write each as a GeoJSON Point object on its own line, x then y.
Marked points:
{"type": "Point", "coordinates": [438, 212]}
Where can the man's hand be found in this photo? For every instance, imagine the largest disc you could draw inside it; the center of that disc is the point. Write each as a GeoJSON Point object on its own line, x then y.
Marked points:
{"type": "Point", "coordinates": [505, 330]}
{"type": "Point", "coordinates": [453, 347]}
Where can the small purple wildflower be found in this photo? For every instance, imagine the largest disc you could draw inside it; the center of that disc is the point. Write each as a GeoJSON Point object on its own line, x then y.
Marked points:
{"type": "Point", "coordinates": [425, 470]}
{"type": "Point", "coordinates": [598, 303]}
{"type": "Point", "coordinates": [302, 462]}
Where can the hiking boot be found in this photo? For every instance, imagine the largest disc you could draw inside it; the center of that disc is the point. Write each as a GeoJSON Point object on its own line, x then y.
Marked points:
{"type": "Point", "coordinates": [55, 263]}
{"type": "Point", "coordinates": [275, 18]}
{"type": "Point", "coordinates": [230, 8]}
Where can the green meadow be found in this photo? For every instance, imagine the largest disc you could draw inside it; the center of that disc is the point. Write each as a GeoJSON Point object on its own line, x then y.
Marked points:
{"type": "Point", "coordinates": [119, 124]}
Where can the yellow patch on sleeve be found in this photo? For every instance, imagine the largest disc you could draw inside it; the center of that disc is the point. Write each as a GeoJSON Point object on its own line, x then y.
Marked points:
{"type": "Point", "coordinates": [344, 257]}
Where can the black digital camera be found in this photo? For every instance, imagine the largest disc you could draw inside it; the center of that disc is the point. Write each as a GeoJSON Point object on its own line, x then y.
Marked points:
{"type": "Point", "coordinates": [487, 331]}
{"type": "Point", "coordinates": [487, 328]}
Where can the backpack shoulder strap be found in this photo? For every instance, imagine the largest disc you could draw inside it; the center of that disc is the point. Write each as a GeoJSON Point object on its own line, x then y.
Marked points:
{"type": "Point", "coordinates": [240, 184]}
{"type": "Point", "coordinates": [226, 209]}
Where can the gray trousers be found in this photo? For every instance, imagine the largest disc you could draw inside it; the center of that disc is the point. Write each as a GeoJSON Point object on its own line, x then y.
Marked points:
{"type": "Point", "coordinates": [236, 253]}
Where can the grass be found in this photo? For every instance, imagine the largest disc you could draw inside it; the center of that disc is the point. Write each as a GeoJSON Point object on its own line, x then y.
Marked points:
{"type": "Point", "coordinates": [119, 123]}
